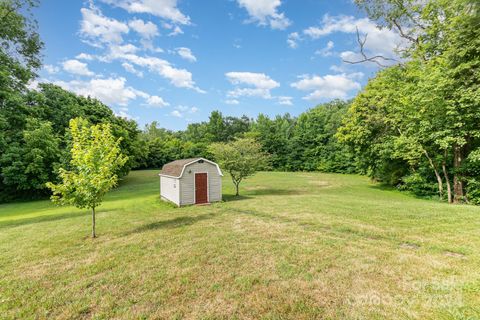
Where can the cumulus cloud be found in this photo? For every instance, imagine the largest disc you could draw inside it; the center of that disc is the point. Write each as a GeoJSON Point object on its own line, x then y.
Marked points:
{"type": "Point", "coordinates": [328, 86]}
{"type": "Point", "coordinates": [118, 50]}
{"type": "Point", "coordinates": [156, 101]}
{"type": "Point", "coordinates": [186, 54]}
{"type": "Point", "coordinates": [178, 77]}
{"type": "Point", "coordinates": [147, 30]}
{"type": "Point", "coordinates": [232, 101]}
{"type": "Point", "coordinates": [111, 91]}
{"type": "Point", "coordinates": [100, 29]}
{"type": "Point", "coordinates": [293, 39]}
{"type": "Point", "coordinates": [77, 67]}
{"type": "Point", "coordinates": [176, 31]}
{"type": "Point", "coordinates": [51, 69]}
{"type": "Point", "coordinates": [327, 50]}
{"type": "Point", "coordinates": [379, 41]}
{"type": "Point", "coordinates": [165, 9]}
{"type": "Point", "coordinates": [176, 113]}
{"type": "Point", "coordinates": [182, 111]}
{"type": "Point", "coordinates": [84, 56]}
{"type": "Point", "coordinates": [287, 101]}
{"type": "Point", "coordinates": [130, 68]}
{"type": "Point", "coordinates": [258, 84]}
{"type": "Point", "coordinates": [265, 12]}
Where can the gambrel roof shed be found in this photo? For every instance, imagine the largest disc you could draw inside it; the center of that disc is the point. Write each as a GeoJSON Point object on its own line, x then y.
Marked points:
{"type": "Point", "coordinates": [191, 181]}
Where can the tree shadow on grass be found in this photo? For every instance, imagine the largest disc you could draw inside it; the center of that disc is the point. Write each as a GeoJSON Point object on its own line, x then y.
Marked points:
{"type": "Point", "coordinates": [383, 187]}
{"type": "Point", "coordinates": [46, 218]}
{"type": "Point", "coordinates": [171, 223]}
{"type": "Point", "coordinates": [249, 194]}
{"type": "Point", "coordinates": [274, 192]}
{"type": "Point", "coordinates": [388, 188]}
{"type": "Point", "coordinates": [49, 218]}
{"type": "Point", "coordinates": [232, 197]}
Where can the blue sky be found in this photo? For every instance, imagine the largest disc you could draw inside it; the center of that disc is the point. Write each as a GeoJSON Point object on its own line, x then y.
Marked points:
{"type": "Point", "coordinates": [174, 61]}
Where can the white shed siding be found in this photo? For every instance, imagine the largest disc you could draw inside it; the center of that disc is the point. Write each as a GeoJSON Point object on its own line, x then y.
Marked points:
{"type": "Point", "coordinates": [187, 183]}
{"type": "Point", "coordinates": [170, 189]}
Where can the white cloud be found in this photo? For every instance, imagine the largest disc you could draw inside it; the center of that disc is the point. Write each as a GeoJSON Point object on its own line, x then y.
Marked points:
{"type": "Point", "coordinates": [146, 30]}
{"type": "Point", "coordinates": [328, 86]}
{"type": "Point", "coordinates": [327, 50]}
{"type": "Point", "coordinates": [165, 9]}
{"type": "Point", "coordinates": [84, 56]}
{"type": "Point", "coordinates": [123, 113]}
{"type": "Point", "coordinates": [129, 68]}
{"type": "Point", "coordinates": [176, 113]}
{"type": "Point", "coordinates": [111, 91]}
{"type": "Point", "coordinates": [118, 50]}
{"type": "Point", "coordinates": [176, 31]}
{"type": "Point", "coordinates": [265, 12]}
{"type": "Point", "coordinates": [259, 80]}
{"type": "Point", "coordinates": [258, 84]}
{"type": "Point", "coordinates": [100, 29]}
{"type": "Point", "coordinates": [232, 101]}
{"type": "Point", "coordinates": [186, 54]}
{"type": "Point", "coordinates": [51, 69]}
{"type": "Point", "coordinates": [287, 101]}
{"type": "Point", "coordinates": [379, 41]}
{"type": "Point", "coordinates": [156, 101]}
{"type": "Point", "coordinates": [293, 39]}
{"type": "Point", "coordinates": [181, 111]}
{"type": "Point", "coordinates": [77, 67]}
{"type": "Point", "coordinates": [178, 77]}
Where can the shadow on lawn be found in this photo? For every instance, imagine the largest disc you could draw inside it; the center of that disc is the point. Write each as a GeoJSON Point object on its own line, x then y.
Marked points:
{"type": "Point", "coordinates": [172, 223]}
{"type": "Point", "coordinates": [232, 197]}
{"type": "Point", "coordinates": [40, 219]}
{"type": "Point", "coordinates": [248, 194]}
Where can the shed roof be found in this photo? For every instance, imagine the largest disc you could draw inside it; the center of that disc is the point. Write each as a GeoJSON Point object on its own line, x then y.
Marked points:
{"type": "Point", "coordinates": [175, 168]}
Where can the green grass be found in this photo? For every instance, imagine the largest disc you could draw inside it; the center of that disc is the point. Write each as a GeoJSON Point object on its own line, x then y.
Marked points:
{"type": "Point", "coordinates": [293, 246]}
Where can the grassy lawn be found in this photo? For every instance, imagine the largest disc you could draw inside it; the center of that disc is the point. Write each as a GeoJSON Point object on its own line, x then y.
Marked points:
{"type": "Point", "coordinates": [294, 246]}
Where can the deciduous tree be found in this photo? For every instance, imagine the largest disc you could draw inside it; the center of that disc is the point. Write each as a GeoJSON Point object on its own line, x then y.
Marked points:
{"type": "Point", "coordinates": [96, 157]}
{"type": "Point", "coordinates": [240, 158]}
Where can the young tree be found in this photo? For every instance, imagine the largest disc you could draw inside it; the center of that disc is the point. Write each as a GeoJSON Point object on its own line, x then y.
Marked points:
{"type": "Point", "coordinates": [96, 157]}
{"type": "Point", "coordinates": [241, 158]}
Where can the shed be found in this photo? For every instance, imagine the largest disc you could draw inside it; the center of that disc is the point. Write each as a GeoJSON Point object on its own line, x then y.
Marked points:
{"type": "Point", "coordinates": [191, 181]}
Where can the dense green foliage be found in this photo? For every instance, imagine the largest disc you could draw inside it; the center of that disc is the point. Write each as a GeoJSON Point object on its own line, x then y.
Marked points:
{"type": "Point", "coordinates": [240, 158]}
{"type": "Point", "coordinates": [96, 157]}
{"type": "Point", "coordinates": [304, 143]}
{"type": "Point", "coordinates": [35, 140]}
{"type": "Point", "coordinates": [417, 124]}
{"type": "Point", "coordinates": [20, 44]}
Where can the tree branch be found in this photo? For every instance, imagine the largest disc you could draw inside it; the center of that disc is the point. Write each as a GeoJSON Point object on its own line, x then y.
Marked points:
{"type": "Point", "coordinates": [375, 59]}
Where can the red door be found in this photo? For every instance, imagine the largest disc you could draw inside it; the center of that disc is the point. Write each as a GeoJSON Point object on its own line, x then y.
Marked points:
{"type": "Point", "coordinates": [201, 188]}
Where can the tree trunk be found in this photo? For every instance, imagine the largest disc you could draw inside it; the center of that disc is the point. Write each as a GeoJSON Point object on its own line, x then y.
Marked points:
{"type": "Point", "coordinates": [457, 181]}
{"type": "Point", "coordinates": [93, 223]}
{"type": "Point", "coordinates": [236, 189]}
{"type": "Point", "coordinates": [437, 174]}
{"type": "Point", "coordinates": [449, 189]}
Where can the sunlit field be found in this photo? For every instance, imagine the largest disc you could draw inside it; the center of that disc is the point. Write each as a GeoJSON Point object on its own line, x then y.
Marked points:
{"type": "Point", "coordinates": [292, 246]}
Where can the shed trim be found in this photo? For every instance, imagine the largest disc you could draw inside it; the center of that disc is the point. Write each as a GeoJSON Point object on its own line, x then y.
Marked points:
{"type": "Point", "coordinates": [189, 163]}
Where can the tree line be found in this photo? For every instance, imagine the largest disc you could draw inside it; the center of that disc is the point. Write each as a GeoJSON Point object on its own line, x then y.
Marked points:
{"type": "Point", "coordinates": [415, 126]}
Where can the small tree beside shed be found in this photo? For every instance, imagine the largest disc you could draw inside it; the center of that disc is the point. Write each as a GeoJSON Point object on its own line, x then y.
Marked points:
{"type": "Point", "coordinates": [240, 158]}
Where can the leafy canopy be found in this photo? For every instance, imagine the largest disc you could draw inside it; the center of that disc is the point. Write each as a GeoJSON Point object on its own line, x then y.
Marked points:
{"type": "Point", "coordinates": [96, 156]}
{"type": "Point", "coordinates": [240, 158]}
